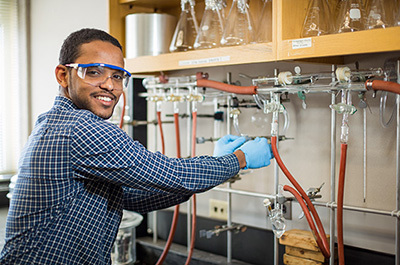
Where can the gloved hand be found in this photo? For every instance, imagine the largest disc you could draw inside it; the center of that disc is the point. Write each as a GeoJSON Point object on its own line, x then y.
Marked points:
{"type": "Point", "coordinates": [228, 144]}
{"type": "Point", "coordinates": [258, 153]}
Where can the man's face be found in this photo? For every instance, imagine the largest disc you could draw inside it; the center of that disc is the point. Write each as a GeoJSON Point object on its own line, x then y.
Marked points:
{"type": "Point", "coordinates": [100, 99]}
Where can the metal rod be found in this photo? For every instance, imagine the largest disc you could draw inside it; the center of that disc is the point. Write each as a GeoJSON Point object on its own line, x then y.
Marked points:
{"type": "Point", "coordinates": [333, 178]}
{"type": "Point", "coordinates": [229, 197]}
{"type": "Point", "coordinates": [189, 153]}
{"type": "Point", "coordinates": [394, 213]}
{"type": "Point", "coordinates": [245, 193]}
{"type": "Point", "coordinates": [365, 153]}
{"type": "Point", "coordinates": [397, 244]}
{"type": "Point", "coordinates": [332, 205]}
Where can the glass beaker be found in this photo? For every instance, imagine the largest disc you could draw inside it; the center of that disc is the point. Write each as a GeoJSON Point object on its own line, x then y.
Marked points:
{"type": "Point", "coordinates": [318, 19]}
{"type": "Point", "coordinates": [186, 29]}
{"type": "Point", "coordinates": [212, 25]}
{"type": "Point", "coordinates": [239, 27]}
{"type": "Point", "coordinates": [351, 16]}
{"type": "Point", "coordinates": [376, 15]}
{"type": "Point", "coordinates": [264, 26]}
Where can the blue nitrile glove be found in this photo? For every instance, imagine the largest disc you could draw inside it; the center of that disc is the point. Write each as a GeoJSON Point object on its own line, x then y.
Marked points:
{"type": "Point", "coordinates": [258, 153]}
{"type": "Point", "coordinates": [228, 144]}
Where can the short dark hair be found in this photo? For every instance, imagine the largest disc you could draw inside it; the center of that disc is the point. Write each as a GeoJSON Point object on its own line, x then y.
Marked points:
{"type": "Point", "coordinates": [70, 50]}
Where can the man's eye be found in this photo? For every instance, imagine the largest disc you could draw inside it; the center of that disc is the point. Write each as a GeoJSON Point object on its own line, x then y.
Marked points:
{"type": "Point", "coordinates": [118, 77]}
{"type": "Point", "coordinates": [93, 72]}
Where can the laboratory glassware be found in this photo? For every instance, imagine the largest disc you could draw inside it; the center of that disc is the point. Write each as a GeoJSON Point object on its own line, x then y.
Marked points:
{"type": "Point", "coordinates": [264, 26]}
{"type": "Point", "coordinates": [239, 27]}
{"type": "Point", "coordinates": [186, 29]}
{"type": "Point", "coordinates": [397, 15]}
{"type": "Point", "coordinates": [318, 19]}
{"type": "Point", "coordinates": [351, 16]}
{"type": "Point", "coordinates": [276, 218]}
{"type": "Point", "coordinates": [376, 16]}
{"type": "Point", "coordinates": [212, 25]}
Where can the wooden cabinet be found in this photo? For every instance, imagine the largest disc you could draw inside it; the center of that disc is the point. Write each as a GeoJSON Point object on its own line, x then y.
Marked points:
{"type": "Point", "coordinates": [286, 22]}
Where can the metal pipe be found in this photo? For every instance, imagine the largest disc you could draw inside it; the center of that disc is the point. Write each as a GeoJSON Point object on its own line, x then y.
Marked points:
{"type": "Point", "coordinates": [189, 151]}
{"type": "Point", "coordinates": [398, 170]}
{"type": "Point", "coordinates": [332, 205]}
{"type": "Point", "coordinates": [395, 213]}
{"type": "Point", "coordinates": [333, 174]}
{"type": "Point", "coordinates": [229, 196]}
{"type": "Point", "coordinates": [245, 193]}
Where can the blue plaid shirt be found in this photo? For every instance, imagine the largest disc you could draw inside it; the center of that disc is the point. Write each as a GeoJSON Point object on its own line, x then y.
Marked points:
{"type": "Point", "coordinates": [76, 174]}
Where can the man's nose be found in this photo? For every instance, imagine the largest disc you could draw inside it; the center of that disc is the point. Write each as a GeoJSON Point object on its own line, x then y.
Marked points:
{"type": "Point", "coordinates": [107, 84]}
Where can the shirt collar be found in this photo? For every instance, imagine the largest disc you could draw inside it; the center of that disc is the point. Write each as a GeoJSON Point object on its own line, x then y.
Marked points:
{"type": "Point", "coordinates": [64, 103]}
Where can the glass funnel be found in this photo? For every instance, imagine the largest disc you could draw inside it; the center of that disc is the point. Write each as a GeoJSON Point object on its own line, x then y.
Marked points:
{"type": "Point", "coordinates": [212, 25]}
{"type": "Point", "coordinates": [351, 16]}
{"type": "Point", "coordinates": [186, 29]}
{"type": "Point", "coordinates": [264, 26]}
{"type": "Point", "coordinates": [239, 27]}
{"type": "Point", "coordinates": [376, 15]}
{"type": "Point", "coordinates": [318, 19]}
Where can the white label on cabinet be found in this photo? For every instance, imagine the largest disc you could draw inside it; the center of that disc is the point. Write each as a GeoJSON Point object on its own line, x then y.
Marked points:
{"type": "Point", "coordinates": [205, 60]}
{"type": "Point", "coordinates": [301, 43]}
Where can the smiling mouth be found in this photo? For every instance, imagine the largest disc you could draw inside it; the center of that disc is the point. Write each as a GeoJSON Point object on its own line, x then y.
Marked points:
{"type": "Point", "coordinates": [103, 98]}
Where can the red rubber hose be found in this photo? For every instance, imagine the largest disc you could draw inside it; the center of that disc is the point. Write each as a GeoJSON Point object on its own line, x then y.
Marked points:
{"type": "Point", "coordinates": [383, 85]}
{"type": "Point", "coordinates": [121, 121]}
{"type": "Point", "coordinates": [171, 235]}
{"type": "Point", "coordinates": [339, 214]}
{"type": "Point", "coordinates": [306, 211]}
{"type": "Point", "coordinates": [243, 90]}
{"type": "Point", "coordinates": [161, 132]}
{"type": "Point", "coordinates": [324, 247]}
{"type": "Point", "coordinates": [178, 137]}
{"type": "Point", "coordinates": [176, 211]}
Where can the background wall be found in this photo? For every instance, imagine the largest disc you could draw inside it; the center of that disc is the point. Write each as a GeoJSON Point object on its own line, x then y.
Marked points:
{"type": "Point", "coordinates": [51, 22]}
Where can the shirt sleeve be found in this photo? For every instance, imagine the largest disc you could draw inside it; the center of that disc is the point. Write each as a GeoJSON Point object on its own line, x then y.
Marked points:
{"type": "Point", "coordinates": [102, 151]}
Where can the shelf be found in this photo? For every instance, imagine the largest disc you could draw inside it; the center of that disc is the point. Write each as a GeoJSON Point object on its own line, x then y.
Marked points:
{"type": "Point", "coordinates": [152, 3]}
{"type": "Point", "coordinates": [367, 41]}
{"type": "Point", "coordinates": [252, 53]}
{"type": "Point", "coordinates": [286, 22]}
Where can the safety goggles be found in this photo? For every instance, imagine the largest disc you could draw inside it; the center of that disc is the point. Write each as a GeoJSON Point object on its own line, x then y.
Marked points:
{"type": "Point", "coordinates": [98, 73]}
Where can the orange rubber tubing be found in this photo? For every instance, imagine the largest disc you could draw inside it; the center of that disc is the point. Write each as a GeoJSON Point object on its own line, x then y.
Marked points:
{"type": "Point", "coordinates": [174, 223]}
{"type": "Point", "coordinates": [320, 236]}
{"type": "Point", "coordinates": [178, 137]}
{"type": "Point", "coordinates": [307, 214]}
{"type": "Point", "coordinates": [121, 121]}
{"type": "Point", "coordinates": [243, 90]}
{"type": "Point", "coordinates": [383, 85]}
{"type": "Point", "coordinates": [339, 214]}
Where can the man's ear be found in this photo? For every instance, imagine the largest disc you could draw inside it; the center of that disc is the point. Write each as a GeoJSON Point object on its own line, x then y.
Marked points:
{"type": "Point", "coordinates": [62, 75]}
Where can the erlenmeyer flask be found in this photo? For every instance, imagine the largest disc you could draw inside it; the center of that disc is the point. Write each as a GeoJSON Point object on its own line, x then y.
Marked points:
{"type": "Point", "coordinates": [351, 16]}
{"type": "Point", "coordinates": [186, 29]}
{"type": "Point", "coordinates": [239, 27]}
{"type": "Point", "coordinates": [318, 19]}
{"type": "Point", "coordinates": [376, 17]}
{"type": "Point", "coordinates": [264, 30]}
{"type": "Point", "coordinates": [396, 20]}
{"type": "Point", "coordinates": [212, 25]}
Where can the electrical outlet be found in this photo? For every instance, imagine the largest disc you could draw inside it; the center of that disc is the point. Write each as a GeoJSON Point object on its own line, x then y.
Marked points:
{"type": "Point", "coordinates": [218, 209]}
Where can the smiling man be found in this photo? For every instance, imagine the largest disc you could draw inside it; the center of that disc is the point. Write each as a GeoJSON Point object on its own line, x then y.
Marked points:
{"type": "Point", "coordinates": [78, 172]}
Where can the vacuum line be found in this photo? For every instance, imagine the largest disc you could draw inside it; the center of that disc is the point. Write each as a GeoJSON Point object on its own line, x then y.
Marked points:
{"type": "Point", "coordinates": [320, 234]}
